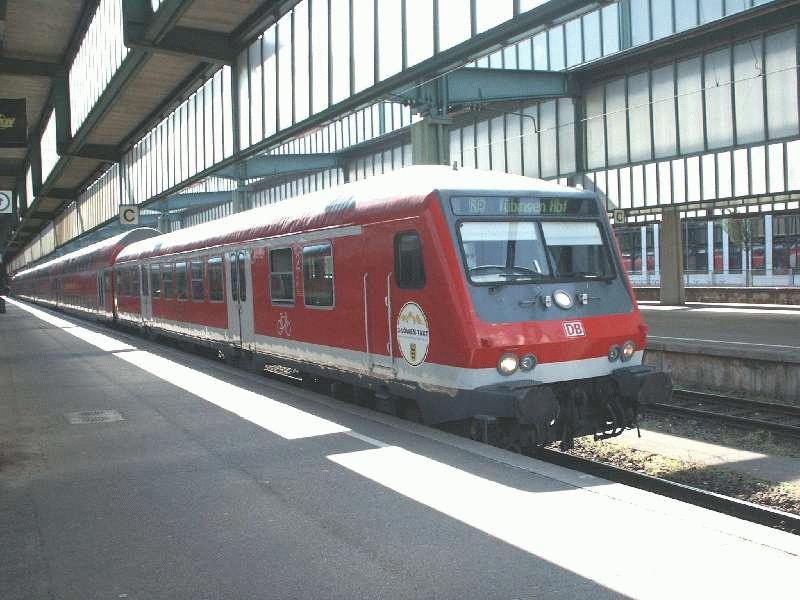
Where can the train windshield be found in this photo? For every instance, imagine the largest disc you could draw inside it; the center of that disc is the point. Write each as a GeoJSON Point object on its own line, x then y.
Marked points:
{"type": "Point", "coordinates": [500, 252]}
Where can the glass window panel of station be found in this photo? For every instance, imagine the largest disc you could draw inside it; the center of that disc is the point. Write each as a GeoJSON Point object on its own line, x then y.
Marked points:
{"type": "Point", "coordinates": [710, 10]}
{"type": "Point", "coordinates": [685, 14]}
{"type": "Point", "coordinates": [319, 56]}
{"type": "Point", "coordinates": [340, 50]}
{"type": "Point", "coordinates": [734, 6]}
{"type": "Point", "coordinates": [269, 82]}
{"type": "Point", "coordinates": [555, 46]}
{"type": "Point", "coordinates": [595, 128]}
{"type": "Point", "coordinates": [591, 36]}
{"type": "Point", "coordinates": [208, 109]}
{"type": "Point", "coordinates": [640, 21]}
{"type": "Point", "coordinates": [482, 152]}
{"type": "Point", "coordinates": [663, 98]}
{"type": "Point", "coordinates": [748, 91]}
{"type": "Point", "coordinates": [285, 83]}
{"type": "Point", "coordinates": [690, 106]}
{"type": "Point", "coordinates": [540, 59]}
{"type": "Point", "coordinates": [724, 182]}
{"type": "Point", "coordinates": [616, 122]}
{"type": "Point", "coordinates": [419, 30]}
{"type": "Point", "coordinates": [548, 126]}
{"type": "Point", "coordinates": [574, 42]}
{"type": "Point", "coordinates": [514, 143]}
{"type": "Point", "coordinates": [453, 29]}
{"type": "Point", "coordinates": [256, 105]}
{"type": "Point", "coordinates": [776, 174]}
{"type": "Point", "coordinates": [639, 116]}
{"type": "Point", "coordinates": [566, 136]}
{"type": "Point", "coordinates": [363, 44]}
{"type": "Point", "coordinates": [390, 36]}
{"type": "Point", "coordinates": [526, 5]}
{"type": "Point", "coordinates": [662, 18]}
{"type": "Point", "coordinates": [221, 95]}
{"type": "Point", "coordinates": [530, 142]}
{"type": "Point", "coordinates": [302, 60]}
{"type": "Point", "coordinates": [758, 170]}
{"type": "Point", "coordinates": [490, 13]}
{"type": "Point", "coordinates": [610, 18]}
{"type": "Point", "coordinates": [455, 146]}
{"type": "Point", "coordinates": [719, 113]}
{"type": "Point", "coordinates": [227, 111]}
{"type": "Point", "coordinates": [468, 146]}
{"type": "Point", "coordinates": [525, 54]}
{"type": "Point", "coordinates": [498, 146]}
{"type": "Point", "coordinates": [781, 67]}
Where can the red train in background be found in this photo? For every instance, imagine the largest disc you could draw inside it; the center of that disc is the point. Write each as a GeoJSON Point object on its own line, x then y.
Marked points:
{"type": "Point", "coordinates": [448, 294]}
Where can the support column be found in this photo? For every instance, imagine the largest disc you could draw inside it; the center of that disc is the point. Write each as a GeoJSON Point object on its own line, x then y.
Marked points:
{"type": "Point", "coordinates": [163, 222]}
{"type": "Point", "coordinates": [768, 245]}
{"type": "Point", "coordinates": [241, 200]}
{"type": "Point", "coordinates": [643, 250]}
{"type": "Point", "coordinates": [430, 141]}
{"type": "Point", "coordinates": [673, 291]}
{"type": "Point", "coordinates": [726, 252]}
{"type": "Point", "coordinates": [710, 247]}
{"type": "Point", "coordinates": [656, 250]}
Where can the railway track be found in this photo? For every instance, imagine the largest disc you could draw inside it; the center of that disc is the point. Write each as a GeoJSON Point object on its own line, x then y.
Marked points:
{"type": "Point", "coordinates": [752, 414]}
{"type": "Point", "coordinates": [717, 502]}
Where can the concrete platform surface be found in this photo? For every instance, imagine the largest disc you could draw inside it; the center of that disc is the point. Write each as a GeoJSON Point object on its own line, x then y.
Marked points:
{"type": "Point", "coordinates": [764, 332]}
{"type": "Point", "coordinates": [202, 481]}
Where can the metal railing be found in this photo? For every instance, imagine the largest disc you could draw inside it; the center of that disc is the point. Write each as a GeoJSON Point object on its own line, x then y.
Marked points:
{"type": "Point", "coordinates": [733, 278]}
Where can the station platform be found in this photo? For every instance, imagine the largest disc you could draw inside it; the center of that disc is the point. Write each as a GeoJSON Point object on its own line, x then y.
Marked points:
{"type": "Point", "coordinates": [751, 351]}
{"type": "Point", "coordinates": [762, 331]}
{"type": "Point", "coordinates": [133, 470]}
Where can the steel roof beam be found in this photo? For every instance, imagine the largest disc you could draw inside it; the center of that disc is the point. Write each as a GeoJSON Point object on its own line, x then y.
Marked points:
{"type": "Point", "coordinates": [189, 200]}
{"type": "Point", "coordinates": [209, 46]}
{"type": "Point", "coordinates": [477, 86]}
{"type": "Point", "coordinates": [278, 164]}
{"type": "Point", "coordinates": [29, 68]}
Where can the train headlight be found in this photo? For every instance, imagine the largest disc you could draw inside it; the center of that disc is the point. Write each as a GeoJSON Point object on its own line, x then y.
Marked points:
{"type": "Point", "coordinates": [508, 363]}
{"type": "Point", "coordinates": [614, 353]}
{"type": "Point", "coordinates": [562, 299]}
{"type": "Point", "coordinates": [527, 362]}
{"type": "Point", "coordinates": [628, 348]}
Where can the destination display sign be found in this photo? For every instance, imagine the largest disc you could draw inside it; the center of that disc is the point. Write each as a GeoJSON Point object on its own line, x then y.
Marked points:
{"type": "Point", "coordinates": [522, 206]}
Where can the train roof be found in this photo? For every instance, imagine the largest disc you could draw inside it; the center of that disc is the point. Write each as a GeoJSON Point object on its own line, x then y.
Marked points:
{"type": "Point", "coordinates": [103, 249]}
{"type": "Point", "coordinates": [383, 196]}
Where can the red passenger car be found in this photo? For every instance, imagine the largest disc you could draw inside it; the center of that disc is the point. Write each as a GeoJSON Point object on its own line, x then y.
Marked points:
{"type": "Point", "coordinates": [449, 294]}
{"type": "Point", "coordinates": [79, 282]}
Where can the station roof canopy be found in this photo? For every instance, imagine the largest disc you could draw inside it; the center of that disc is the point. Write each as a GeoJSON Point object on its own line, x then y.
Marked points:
{"type": "Point", "coordinates": [170, 52]}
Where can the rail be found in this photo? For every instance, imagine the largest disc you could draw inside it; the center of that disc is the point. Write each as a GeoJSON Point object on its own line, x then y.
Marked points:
{"type": "Point", "coordinates": [753, 414]}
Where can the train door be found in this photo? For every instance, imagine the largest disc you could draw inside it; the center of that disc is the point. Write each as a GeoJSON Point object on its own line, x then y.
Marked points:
{"type": "Point", "coordinates": [240, 298]}
{"type": "Point", "coordinates": [379, 338]}
{"type": "Point", "coordinates": [144, 294]}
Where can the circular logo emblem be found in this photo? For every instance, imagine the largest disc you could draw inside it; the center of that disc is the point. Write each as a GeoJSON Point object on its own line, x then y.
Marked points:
{"type": "Point", "coordinates": [412, 333]}
{"type": "Point", "coordinates": [5, 202]}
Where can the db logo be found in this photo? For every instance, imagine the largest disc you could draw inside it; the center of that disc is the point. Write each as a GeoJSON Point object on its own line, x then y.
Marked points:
{"type": "Point", "coordinates": [574, 329]}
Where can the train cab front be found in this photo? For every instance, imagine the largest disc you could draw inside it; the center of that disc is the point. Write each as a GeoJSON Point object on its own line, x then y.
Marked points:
{"type": "Point", "coordinates": [554, 317]}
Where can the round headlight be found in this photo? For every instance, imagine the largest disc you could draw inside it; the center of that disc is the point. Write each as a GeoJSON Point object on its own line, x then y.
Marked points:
{"type": "Point", "coordinates": [507, 364]}
{"type": "Point", "coordinates": [562, 298]}
{"type": "Point", "coordinates": [614, 353]}
{"type": "Point", "coordinates": [628, 348]}
{"type": "Point", "coordinates": [527, 362]}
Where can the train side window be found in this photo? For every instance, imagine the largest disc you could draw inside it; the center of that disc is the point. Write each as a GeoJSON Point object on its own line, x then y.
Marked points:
{"type": "Point", "coordinates": [408, 265]}
{"type": "Point", "coordinates": [216, 279]}
{"type": "Point", "coordinates": [155, 280]}
{"type": "Point", "coordinates": [281, 276]}
{"type": "Point", "coordinates": [145, 281]}
{"type": "Point", "coordinates": [318, 275]}
{"type": "Point", "coordinates": [242, 263]}
{"type": "Point", "coordinates": [167, 278]}
{"type": "Point", "coordinates": [198, 281]}
{"type": "Point", "coordinates": [180, 281]}
{"type": "Point", "coordinates": [133, 275]}
{"type": "Point", "coordinates": [234, 278]}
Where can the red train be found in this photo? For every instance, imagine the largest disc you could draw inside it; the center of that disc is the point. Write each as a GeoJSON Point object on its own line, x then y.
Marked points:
{"type": "Point", "coordinates": [450, 295]}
